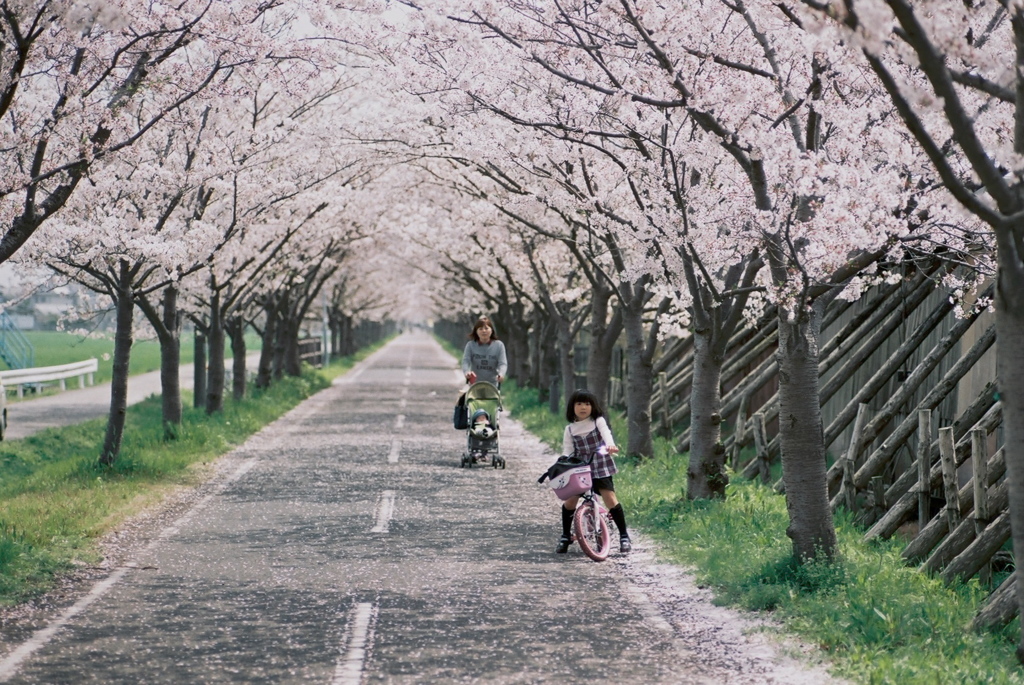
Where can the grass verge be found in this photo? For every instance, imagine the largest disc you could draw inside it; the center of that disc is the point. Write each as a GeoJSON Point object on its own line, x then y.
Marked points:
{"type": "Point", "coordinates": [876, 620]}
{"type": "Point", "coordinates": [56, 500]}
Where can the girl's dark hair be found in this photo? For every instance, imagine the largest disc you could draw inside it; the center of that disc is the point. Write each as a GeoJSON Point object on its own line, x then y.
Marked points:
{"type": "Point", "coordinates": [583, 396]}
{"type": "Point", "coordinates": [483, 321]}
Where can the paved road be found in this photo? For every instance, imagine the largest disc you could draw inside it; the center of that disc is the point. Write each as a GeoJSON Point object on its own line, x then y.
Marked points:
{"type": "Point", "coordinates": [343, 544]}
{"type": "Point", "coordinates": [27, 417]}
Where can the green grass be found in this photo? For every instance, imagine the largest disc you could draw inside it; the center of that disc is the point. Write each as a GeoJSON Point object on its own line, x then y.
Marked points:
{"type": "Point", "coordinates": [874, 619]}
{"type": "Point", "coordinates": [56, 500]}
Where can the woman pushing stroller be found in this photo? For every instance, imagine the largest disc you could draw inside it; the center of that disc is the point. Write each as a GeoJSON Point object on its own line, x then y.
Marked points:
{"type": "Point", "coordinates": [484, 365]}
{"type": "Point", "coordinates": [484, 357]}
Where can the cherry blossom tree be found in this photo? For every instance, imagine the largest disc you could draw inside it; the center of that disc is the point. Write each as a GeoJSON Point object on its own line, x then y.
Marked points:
{"type": "Point", "coordinates": [954, 75]}
{"type": "Point", "coordinates": [822, 197]}
{"type": "Point", "coordinates": [146, 221]}
{"type": "Point", "coordinates": [80, 84]}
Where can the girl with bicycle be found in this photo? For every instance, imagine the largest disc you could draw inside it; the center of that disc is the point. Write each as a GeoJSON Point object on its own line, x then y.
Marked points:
{"type": "Point", "coordinates": [589, 438]}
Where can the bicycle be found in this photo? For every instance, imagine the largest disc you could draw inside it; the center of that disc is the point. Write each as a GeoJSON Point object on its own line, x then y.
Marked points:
{"type": "Point", "coordinates": [590, 527]}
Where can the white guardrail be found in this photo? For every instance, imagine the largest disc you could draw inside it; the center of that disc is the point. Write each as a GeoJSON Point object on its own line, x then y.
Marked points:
{"type": "Point", "coordinates": [84, 371]}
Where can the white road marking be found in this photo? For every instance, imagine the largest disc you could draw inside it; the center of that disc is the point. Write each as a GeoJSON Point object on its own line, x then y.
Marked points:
{"type": "Point", "coordinates": [352, 375]}
{"type": "Point", "coordinates": [396, 447]}
{"type": "Point", "coordinates": [399, 421]}
{"type": "Point", "coordinates": [401, 403]}
{"type": "Point", "coordinates": [349, 670]}
{"type": "Point", "coordinates": [385, 509]}
{"type": "Point", "coordinates": [10, 664]}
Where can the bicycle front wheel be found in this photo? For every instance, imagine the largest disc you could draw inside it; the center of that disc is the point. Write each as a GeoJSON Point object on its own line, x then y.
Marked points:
{"type": "Point", "coordinates": [592, 531]}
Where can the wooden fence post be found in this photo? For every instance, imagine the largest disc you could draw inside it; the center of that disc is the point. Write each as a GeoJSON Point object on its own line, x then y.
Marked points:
{"type": "Point", "coordinates": [947, 455]}
{"type": "Point", "coordinates": [849, 490]}
{"type": "Point", "coordinates": [924, 467]}
{"type": "Point", "coordinates": [979, 462]}
{"type": "Point", "coordinates": [1000, 607]}
{"type": "Point", "coordinates": [877, 498]}
{"type": "Point", "coordinates": [666, 411]}
{"type": "Point", "coordinates": [761, 445]}
{"type": "Point", "coordinates": [741, 431]}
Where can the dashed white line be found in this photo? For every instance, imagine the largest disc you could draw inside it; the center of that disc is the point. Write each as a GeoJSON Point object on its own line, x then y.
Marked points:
{"type": "Point", "coordinates": [385, 509]}
{"type": "Point", "coordinates": [9, 666]}
{"type": "Point", "coordinates": [349, 670]}
{"type": "Point", "coordinates": [396, 447]}
{"type": "Point", "coordinates": [399, 421]}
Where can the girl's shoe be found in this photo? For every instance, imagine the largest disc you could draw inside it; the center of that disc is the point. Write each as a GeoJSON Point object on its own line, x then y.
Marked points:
{"type": "Point", "coordinates": [563, 545]}
{"type": "Point", "coordinates": [625, 546]}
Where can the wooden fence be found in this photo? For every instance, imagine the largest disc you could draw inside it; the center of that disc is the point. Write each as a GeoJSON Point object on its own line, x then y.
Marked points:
{"type": "Point", "coordinates": [912, 423]}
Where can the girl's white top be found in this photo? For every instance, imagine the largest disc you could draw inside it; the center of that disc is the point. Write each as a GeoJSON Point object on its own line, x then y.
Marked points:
{"type": "Point", "coordinates": [582, 428]}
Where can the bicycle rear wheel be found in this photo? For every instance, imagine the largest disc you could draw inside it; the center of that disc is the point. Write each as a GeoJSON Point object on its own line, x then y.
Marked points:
{"type": "Point", "coordinates": [592, 531]}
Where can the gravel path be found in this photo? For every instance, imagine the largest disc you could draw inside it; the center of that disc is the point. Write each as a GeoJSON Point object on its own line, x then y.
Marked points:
{"type": "Point", "coordinates": [343, 544]}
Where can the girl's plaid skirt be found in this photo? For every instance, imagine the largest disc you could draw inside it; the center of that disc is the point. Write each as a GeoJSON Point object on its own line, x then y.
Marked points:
{"type": "Point", "coordinates": [586, 448]}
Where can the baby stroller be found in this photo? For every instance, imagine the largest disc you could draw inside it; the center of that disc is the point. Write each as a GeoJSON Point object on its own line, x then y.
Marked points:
{"type": "Point", "coordinates": [483, 404]}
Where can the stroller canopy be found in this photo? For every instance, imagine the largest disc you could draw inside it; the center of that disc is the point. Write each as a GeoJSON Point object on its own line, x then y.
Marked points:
{"type": "Point", "coordinates": [483, 391]}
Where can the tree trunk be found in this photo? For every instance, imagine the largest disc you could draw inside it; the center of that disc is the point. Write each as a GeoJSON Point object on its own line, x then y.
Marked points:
{"type": "Point", "coordinates": [264, 372]}
{"type": "Point", "coordinates": [545, 357]}
{"type": "Point", "coordinates": [280, 348]}
{"type": "Point", "coordinates": [215, 374]}
{"type": "Point", "coordinates": [236, 332]}
{"type": "Point", "coordinates": [167, 324]}
{"type": "Point", "coordinates": [292, 363]}
{"type": "Point", "coordinates": [517, 341]}
{"type": "Point", "coordinates": [603, 334]}
{"type": "Point", "coordinates": [125, 307]}
{"type": "Point", "coordinates": [1010, 372]}
{"type": "Point", "coordinates": [348, 341]}
{"type": "Point", "coordinates": [640, 384]}
{"type": "Point", "coordinates": [335, 329]}
{"type": "Point", "coordinates": [800, 435]}
{"type": "Point", "coordinates": [566, 357]}
{"type": "Point", "coordinates": [199, 370]}
{"type": "Point", "coordinates": [170, 361]}
{"type": "Point", "coordinates": [706, 477]}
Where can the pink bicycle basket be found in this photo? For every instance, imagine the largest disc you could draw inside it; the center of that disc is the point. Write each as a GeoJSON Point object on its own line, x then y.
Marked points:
{"type": "Point", "coordinates": [573, 482]}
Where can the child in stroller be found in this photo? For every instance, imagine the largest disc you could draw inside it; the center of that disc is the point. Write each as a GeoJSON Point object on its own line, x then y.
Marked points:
{"type": "Point", "coordinates": [483, 403]}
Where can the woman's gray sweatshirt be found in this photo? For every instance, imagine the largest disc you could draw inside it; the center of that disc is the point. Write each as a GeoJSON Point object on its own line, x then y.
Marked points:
{"type": "Point", "coordinates": [487, 361]}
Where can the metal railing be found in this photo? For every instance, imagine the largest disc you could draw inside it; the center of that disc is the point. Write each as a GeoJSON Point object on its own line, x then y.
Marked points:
{"type": "Point", "coordinates": [20, 378]}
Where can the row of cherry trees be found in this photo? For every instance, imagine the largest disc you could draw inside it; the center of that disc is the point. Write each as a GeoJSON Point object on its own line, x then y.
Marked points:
{"type": "Point", "coordinates": [644, 165]}
{"type": "Point", "coordinates": [640, 168]}
{"type": "Point", "coordinates": [185, 160]}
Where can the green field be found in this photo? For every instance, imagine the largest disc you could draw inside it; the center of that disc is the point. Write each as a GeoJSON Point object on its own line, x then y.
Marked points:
{"type": "Point", "coordinates": [53, 348]}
